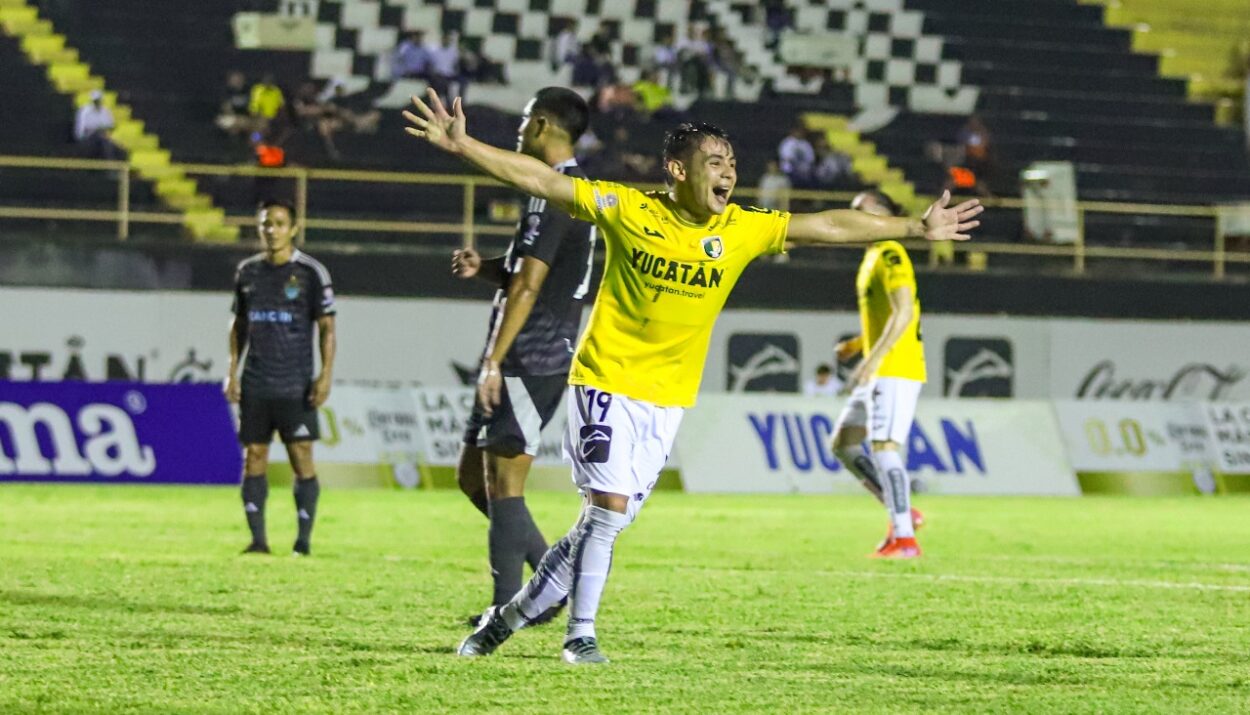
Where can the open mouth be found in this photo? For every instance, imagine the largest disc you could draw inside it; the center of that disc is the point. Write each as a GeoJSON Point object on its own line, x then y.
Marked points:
{"type": "Point", "coordinates": [722, 192]}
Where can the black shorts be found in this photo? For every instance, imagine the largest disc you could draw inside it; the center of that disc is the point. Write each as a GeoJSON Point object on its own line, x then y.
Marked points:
{"type": "Point", "coordinates": [526, 405]}
{"type": "Point", "coordinates": [293, 418]}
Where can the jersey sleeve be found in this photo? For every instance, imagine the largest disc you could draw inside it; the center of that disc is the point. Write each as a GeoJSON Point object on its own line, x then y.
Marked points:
{"type": "Point", "coordinates": [896, 268]}
{"type": "Point", "coordinates": [767, 227]}
{"type": "Point", "coordinates": [598, 201]}
{"type": "Point", "coordinates": [543, 232]}
{"type": "Point", "coordinates": [322, 298]}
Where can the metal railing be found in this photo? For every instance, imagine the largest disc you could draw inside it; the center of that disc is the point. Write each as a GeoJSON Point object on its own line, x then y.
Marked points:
{"type": "Point", "coordinates": [1078, 252]}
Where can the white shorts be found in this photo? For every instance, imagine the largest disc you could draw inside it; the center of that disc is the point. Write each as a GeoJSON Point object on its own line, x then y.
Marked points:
{"type": "Point", "coordinates": [618, 444]}
{"type": "Point", "coordinates": [885, 406]}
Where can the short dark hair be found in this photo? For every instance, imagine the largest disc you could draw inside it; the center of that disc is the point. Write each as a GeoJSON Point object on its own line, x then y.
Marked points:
{"type": "Point", "coordinates": [278, 204]}
{"type": "Point", "coordinates": [681, 141]}
{"type": "Point", "coordinates": [823, 369]}
{"type": "Point", "coordinates": [882, 198]}
{"type": "Point", "coordinates": [565, 107]}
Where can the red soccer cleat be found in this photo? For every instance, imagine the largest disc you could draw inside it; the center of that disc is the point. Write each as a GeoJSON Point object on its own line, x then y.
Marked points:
{"type": "Point", "coordinates": [901, 548]}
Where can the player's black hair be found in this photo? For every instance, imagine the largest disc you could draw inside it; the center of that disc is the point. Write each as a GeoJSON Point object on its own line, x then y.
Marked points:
{"type": "Point", "coordinates": [278, 203]}
{"type": "Point", "coordinates": [823, 369]}
{"type": "Point", "coordinates": [565, 107]}
{"type": "Point", "coordinates": [883, 199]}
{"type": "Point", "coordinates": [687, 136]}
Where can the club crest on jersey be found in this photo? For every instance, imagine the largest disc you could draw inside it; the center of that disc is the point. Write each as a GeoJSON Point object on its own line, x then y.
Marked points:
{"type": "Point", "coordinates": [291, 290]}
{"type": "Point", "coordinates": [713, 247]}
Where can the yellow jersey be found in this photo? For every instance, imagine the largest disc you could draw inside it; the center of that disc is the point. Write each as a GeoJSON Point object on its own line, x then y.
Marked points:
{"type": "Point", "coordinates": [664, 283]}
{"type": "Point", "coordinates": [886, 267]}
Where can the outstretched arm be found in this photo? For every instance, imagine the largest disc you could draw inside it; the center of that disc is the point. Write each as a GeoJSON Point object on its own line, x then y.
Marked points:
{"type": "Point", "coordinates": [448, 132]}
{"type": "Point", "coordinates": [939, 223]}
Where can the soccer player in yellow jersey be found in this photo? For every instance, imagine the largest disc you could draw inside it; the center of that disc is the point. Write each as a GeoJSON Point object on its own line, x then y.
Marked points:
{"type": "Point", "coordinates": [672, 258]}
{"type": "Point", "coordinates": [886, 384]}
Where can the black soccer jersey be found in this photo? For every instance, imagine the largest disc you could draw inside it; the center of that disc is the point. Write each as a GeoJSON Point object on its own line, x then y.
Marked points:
{"type": "Point", "coordinates": [548, 234]}
{"type": "Point", "coordinates": [278, 306]}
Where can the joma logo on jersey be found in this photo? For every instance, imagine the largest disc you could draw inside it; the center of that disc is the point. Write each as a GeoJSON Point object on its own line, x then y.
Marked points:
{"type": "Point", "coordinates": [676, 271]}
{"type": "Point", "coordinates": [110, 446]}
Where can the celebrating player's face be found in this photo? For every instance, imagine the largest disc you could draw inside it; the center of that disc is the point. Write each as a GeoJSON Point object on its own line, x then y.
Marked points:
{"type": "Point", "coordinates": [276, 228]}
{"type": "Point", "coordinates": [711, 174]}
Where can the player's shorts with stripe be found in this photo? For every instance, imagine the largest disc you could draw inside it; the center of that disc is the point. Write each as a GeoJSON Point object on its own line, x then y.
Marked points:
{"type": "Point", "coordinates": [294, 419]}
{"type": "Point", "coordinates": [526, 404]}
{"type": "Point", "coordinates": [618, 444]}
{"type": "Point", "coordinates": [885, 406]}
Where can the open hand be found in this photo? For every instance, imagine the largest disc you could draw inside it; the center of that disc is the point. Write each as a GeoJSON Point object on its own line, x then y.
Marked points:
{"type": "Point", "coordinates": [465, 263]}
{"type": "Point", "coordinates": [951, 224]}
{"type": "Point", "coordinates": [435, 125]}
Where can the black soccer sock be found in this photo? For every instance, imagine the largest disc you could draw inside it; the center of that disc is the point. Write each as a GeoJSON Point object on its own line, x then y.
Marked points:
{"type": "Point", "coordinates": [535, 543]}
{"type": "Point", "coordinates": [509, 539]}
{"type": "Point", "coordinates": [480, 501]}
{"type": "Point", "coordinates": [255, 492]}
{"type": "Point", "coordinates": [306, 493]}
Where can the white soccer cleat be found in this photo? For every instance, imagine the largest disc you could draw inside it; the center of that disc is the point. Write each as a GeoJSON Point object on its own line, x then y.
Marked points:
{"type": "Point", "coordinates": [583, 651]}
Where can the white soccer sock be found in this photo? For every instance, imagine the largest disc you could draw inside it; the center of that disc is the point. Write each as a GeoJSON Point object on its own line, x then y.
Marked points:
{"type": "Point", "coordinates": [592, 559]}
{"type": "Point", "coordinates": [896, 489]}
{"type": "Point", "coordinates": [862, 465]}
{"type": "Point", "coordinates": [549, 584]}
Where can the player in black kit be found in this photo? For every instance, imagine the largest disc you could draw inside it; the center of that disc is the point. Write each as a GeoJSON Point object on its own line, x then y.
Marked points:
{"type": "Point", "coordinates": [543, 279]}
{"type": "Point", "coordinates": [279, 294]}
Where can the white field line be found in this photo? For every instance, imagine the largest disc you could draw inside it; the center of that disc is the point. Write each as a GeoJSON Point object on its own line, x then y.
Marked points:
{"type": "Point", "coordinates": [1136, 583]}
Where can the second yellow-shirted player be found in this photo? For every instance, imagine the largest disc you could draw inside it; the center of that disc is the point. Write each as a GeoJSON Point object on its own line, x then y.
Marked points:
{"type": "Point", "coordinates": [886, 385]}
{"type": "Point", "coordinates": [672, 258]}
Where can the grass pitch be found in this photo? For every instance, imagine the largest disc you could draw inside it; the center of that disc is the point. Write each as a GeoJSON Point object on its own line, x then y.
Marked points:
{"type": "Point", "coordinates": [136, 600]}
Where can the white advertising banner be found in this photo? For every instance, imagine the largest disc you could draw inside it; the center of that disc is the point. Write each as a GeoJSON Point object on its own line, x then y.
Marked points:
{"type": "Point", "coordinates": [1140, 361]}
{"type": "Point", "coordinates": [776, 443]}
{"type": "Point", "coordinates": [1229, 426]}
{"type": "Point", "coordinates": [1113, 436]}
{"type": "Point", "coordinates": [181, 336]}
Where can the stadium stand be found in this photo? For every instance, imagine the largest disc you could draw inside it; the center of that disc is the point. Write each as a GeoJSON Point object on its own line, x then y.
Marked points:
{"type": "Point", "coordinates": [1050, 80]}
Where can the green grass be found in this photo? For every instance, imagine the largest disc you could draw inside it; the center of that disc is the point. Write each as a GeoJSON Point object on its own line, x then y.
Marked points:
{"type": "Point", "coordinates": [135, 600]}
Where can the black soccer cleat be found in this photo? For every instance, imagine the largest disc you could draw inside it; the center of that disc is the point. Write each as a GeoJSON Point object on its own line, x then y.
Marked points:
{"type": "Point", "coordinates": [301, 548]}
{"type": "Point", "coordinates": [255, 548]}
{"type": "Point", "coordinates": [583, 651]}
{"type": "Point", "coordinates": [489, 635]}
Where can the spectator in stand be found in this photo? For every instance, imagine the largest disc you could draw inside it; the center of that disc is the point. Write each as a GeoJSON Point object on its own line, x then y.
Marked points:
{"type": "Point", "coordinates": [92, 127]}
{"type": "Point", "coordinates": [342, 113]}
{"type": "Point", "coordinates": [726, 61]}
{"type": "Point", "coordinates": [774, 189]}
{"type": "Point", "coordinates": [585, 68]}
{"type": "Point", "coordinates": [664, 59]}
{"type": "Point", "coordinates": [564, 48]}
{"type": "Point", "coordinates": [444, 67]}
{"type": "Point", "coordinates": [798, 157]}
{"type": "Point", "coordinates": [974, 137]}
{"type": "Point", "coordinates": [654, 99]}
{"type": "Point", "coordinates": [601, 53]}
{"type": "Point", "coordinates": [232, 115]}
{"type": "Point", "coordinates": [833, 169]}
{"type": "Point", "coordinates": [777, 20]}
{"type": "Point", "coordinates": [266, 100]}
{"type": "Point", "coordinates": [477, 67]}
{"type": "Point", "coordinates": [616, 103]}
{"type": "Point", "coordinates": [621, 161]}
{"type": "Point", "coordinates": [412, 57]}
{"type": "Point", "coordinates": [824, 384]}
{"type": "Point", "coordinates": [694, 54]}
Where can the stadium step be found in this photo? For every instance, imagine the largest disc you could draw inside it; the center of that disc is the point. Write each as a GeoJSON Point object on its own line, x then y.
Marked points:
{"type": "Point", "coordinates": [870, 166]}
{"type": "Point", "coordinates": [73, 77]}
{"type": "Point", "coordinates": [1193, 45]}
